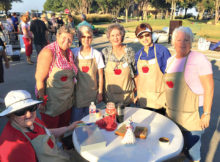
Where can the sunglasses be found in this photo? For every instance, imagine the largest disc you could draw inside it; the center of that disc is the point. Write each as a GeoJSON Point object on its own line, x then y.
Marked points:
{"type": "Point", "coordinates": [144, 35]}
{"type": "Point", "coordinates": [23, 111]}
{"type": "Point", "coordinates": [89, 37]}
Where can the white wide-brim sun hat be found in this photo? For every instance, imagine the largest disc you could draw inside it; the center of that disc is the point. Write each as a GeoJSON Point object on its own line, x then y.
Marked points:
{"type": "Point", "coordinates": [18, 100]}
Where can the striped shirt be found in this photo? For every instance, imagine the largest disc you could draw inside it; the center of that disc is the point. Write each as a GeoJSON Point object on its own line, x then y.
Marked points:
{"type": "Point", "coordinates": [59, 60]}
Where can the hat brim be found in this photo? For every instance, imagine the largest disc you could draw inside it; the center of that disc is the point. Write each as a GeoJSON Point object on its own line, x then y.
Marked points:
{"type": "Point", "coordinates": [19, 106]}
{"type": "Point", "coordinates": [144, 31]}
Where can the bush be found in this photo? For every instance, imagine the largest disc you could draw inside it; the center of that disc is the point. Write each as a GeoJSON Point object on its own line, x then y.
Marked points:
{"type": "Point", "coordinates": [95, 18]}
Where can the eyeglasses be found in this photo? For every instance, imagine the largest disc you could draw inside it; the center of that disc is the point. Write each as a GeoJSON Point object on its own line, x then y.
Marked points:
{"type": "Point", "coordinates": [89, 37]}
{"type": "Point", "coordinates": [23, 111]}
{"type": "Point", "coordinates": [144, 35]}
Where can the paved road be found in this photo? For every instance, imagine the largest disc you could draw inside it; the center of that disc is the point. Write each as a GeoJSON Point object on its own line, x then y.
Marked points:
{"type": "Point", "coordinates": [21, 76]}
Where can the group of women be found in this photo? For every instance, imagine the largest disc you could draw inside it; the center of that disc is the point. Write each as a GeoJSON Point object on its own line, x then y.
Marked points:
{"type": "Point", "coordinates": [181, 85]}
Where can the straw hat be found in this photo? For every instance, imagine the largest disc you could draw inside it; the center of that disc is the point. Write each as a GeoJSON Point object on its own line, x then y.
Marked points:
{"type": "Point", "coordinates": [18, 100]}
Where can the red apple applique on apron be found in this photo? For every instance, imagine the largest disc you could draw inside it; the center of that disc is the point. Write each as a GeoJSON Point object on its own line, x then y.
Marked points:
{"type": "Point", "coordinates": [117, 71]}
{"type": "Point", "coordinates": [170, 84]}
{"type": "Point", "coordinates": [50, 143]}
{"type": "Point", "coordinates": [145, 69]}
{"type": "Point", "coordinates": [63, 78]}
{"type": "Point", "coordinates": [85, 69]}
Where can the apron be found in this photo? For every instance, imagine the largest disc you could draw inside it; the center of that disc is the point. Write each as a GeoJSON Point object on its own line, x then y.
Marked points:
{"type": "Point", "coordinates": [182, 102]}
{"type": "Point", "coordinates": [150, 82]}
{"type": "Point", "coordinates": [86, 87]}
{"type": "Point", "coordinates": [45, 147]}
{"type": "Point", "coordinates": [119, 84]}
{"type": "Point", "coordinates": [60, 91]}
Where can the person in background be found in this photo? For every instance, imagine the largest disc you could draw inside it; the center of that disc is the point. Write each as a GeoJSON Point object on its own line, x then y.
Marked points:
{"type": "Point", "coordinates": [49, 26]}
{"type": "Point", "coordinates": [10, 26]}
{"type": "Point", "coordinates": [60, 21]}
{"type": "Point", "coordinates": [89, 63]}
{"type": "Point", "coordinates": [189, 89]}
{"type": "Point", "coordinates": [27, 38]}
{"type": "Point", "coordinates": [55, 78]}
{"type": "Point", "coordinates": [150, 62]}
{"type": "Point", "coordinates": [84, 22]}
{"type": "Point", "coordinates": [15, 21]}
{"type": "Point", "coordinates": [70, 21]}
{"type": "Point", "coordinates": [40, 32]}
{"type": "Point", "coordinates": [3, 56]}
{"type": "Point", "coordinates": [25, 138]}
{"type": "Point", "coordinates": [119, 67]}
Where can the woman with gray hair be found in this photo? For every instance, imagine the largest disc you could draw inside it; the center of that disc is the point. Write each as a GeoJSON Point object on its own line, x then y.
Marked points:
{"type": "Point", "coordinates": [89, 63]}
{"type": "Point", "coordinates": [189, 91]}
{"type": "Point", "coordinates": [55, 78]}
{"type": "Point", "coordinates": [119, 70]}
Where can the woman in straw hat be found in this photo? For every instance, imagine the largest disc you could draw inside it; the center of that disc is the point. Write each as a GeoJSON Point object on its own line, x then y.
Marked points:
{"type": "Point", "coordinates": [25, 138]}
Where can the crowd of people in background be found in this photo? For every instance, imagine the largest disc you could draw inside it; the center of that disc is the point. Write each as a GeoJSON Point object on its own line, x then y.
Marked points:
{"type": "Point", "coordinates": [180, 86]}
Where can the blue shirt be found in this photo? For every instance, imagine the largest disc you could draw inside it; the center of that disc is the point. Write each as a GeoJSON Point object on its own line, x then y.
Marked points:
{"type": "Point", "coordinates": [85, 23]}
{"type": "Point", "coordinates": [162, 56]}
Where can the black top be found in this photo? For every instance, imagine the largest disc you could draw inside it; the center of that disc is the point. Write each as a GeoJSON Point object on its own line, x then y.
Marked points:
{"type": "Point", "coordinates": [38, 28]}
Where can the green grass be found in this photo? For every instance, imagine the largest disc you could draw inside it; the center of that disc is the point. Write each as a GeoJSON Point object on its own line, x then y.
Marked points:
{"type": "Point", "coordinates": [199, 28]}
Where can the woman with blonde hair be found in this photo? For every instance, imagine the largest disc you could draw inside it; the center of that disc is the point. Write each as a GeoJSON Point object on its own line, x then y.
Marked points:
{"type": "Point", "coordinates": [27, 37]}
{"type": "Point", "coordinates": [55, 78]}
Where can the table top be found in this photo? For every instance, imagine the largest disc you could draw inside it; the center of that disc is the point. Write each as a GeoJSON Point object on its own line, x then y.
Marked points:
{"type": "Point", "coordinates": [148, 149]}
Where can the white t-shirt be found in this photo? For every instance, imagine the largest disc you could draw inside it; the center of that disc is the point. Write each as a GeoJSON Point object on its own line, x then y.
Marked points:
{"type": "Point", "coordinates": [94, 54]}
{"type": "Point", "coordinates": [197, 65]}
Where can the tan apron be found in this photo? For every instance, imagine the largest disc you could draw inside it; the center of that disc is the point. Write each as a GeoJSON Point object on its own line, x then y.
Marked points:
{"type": "Point", "coordinates": [182, 102]}
{"type": "Point", "coordinates": [119, 84]}
{"type": "Point", "coordinates": [150, 82]}
{"type": "Point", "coordinates": [86, 87]}
{"type": "Point", "coordinates": [60, 91]}
{"type": "Point", "coordinates": [42, 149]}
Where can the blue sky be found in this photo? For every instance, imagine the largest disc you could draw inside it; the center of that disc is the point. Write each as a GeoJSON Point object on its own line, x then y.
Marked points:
{"type": "Point", "coordinates": [28, 5]}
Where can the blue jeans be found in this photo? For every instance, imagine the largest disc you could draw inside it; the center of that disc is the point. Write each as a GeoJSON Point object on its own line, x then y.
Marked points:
{"type": "Point", "coordinates": [79, 113]}
{"type": "Point", "coordinates": [192, 142]}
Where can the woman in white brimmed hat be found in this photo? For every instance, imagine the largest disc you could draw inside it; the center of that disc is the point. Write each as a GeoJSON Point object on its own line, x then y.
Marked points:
{"type": "Point", "coordinates": [25, 138]}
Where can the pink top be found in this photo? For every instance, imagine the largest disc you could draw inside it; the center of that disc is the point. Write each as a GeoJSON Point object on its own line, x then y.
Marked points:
{"type": "Point", "coordinates": [196, 66]}
{"type": "Point", "coordinates": [27, 27]}
{"type": "Point", "coordinates": [61, 61]}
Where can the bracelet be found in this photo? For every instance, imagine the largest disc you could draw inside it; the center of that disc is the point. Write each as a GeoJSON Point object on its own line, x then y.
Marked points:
{"type": "Point", "coordinates": [206, 113]}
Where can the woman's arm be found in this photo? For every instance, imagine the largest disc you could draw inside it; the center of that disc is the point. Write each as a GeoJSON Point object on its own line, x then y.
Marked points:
{"type": "Point", "coordinates": [43, 65]}
{"type": "Point", "coordinates": [100, 93]}
{"type": "Point", "coordinates": [5, 59]}
{"type": "Point", "coordinates": [57, 132]}
{"type": "Point", "coordinates": [208, 86]}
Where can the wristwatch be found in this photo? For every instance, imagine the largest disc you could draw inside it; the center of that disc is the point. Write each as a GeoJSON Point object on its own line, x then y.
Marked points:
{"type": "Point", "coordinates": [206, 113]}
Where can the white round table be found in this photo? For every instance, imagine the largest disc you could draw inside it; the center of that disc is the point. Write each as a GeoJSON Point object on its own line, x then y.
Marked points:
{"type": "Point", "coordinates": [148, 149]}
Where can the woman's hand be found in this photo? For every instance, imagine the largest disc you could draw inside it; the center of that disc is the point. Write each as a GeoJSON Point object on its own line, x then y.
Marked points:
{"type": "Point", "coordinates": [204, 121]}
{"type": "Point", "coordinates": [99, 97]}
{"type": "Point", "coordinates": [42, 108]}
{"type": "Point", "coordinates": [72, 126]}
{"type": "Point", "coordinates": [135, 100]}
{"type": "Point", "coordinates": [7, 65]}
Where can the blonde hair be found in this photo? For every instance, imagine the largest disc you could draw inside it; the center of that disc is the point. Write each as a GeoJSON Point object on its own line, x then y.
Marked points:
{"type": "Point", "coordinates": [65, 29]}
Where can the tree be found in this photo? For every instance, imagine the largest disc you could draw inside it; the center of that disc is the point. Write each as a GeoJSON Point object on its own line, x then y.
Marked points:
{"type": "Point", "coordinates": [161, 5]}
{"type": "Point", "coordinates": [204, 5]}
{"type": "Point", "coordinates": [141, 5]}
{"type": "Point", "coordinates": [126, 4]}
{"type": "Point", "coordinates": [54, 5]}
{"type": "Point", "coordinates": [6, 4]}
{"type": "Point", "coordinates": [186, 4]}
{"type": "Point", "coordinates": [216, 11]}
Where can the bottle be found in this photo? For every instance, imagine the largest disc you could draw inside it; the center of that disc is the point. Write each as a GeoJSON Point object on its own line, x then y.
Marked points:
{"type": "Point", "coordinates": [120, 112]}
{"type": "Point", "coordinates": [92, 112]}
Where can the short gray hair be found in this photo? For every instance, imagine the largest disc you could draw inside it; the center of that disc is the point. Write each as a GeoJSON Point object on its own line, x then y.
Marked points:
{"type": "Point", "coordinates": [116, 26]}
{"type": "Point", "coordinates": [65, 29]}
{"type": "Point", "coordinates": [82, 29]}
{"type": "Point", "coordinates": [185, 30]}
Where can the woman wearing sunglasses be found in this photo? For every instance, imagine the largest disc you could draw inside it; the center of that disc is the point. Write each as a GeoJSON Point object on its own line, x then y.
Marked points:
{"type": "Point", "coordinates": [25, 137]}
{"type": "Point", "coordinates": [90, 63]}
{"type": "Point", "coordinates": [119, 70]}
{"type": "Point", "coordinates": [150, 62]}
